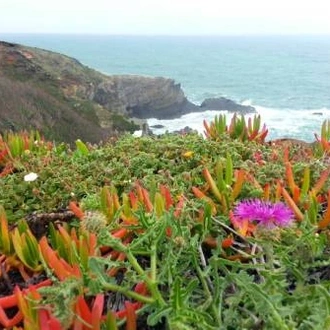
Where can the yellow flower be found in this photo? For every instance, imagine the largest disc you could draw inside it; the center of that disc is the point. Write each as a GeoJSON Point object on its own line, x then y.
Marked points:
{"type": "Point", "coordinates": [188, 154]}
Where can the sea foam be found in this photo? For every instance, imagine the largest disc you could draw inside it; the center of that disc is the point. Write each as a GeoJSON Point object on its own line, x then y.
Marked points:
{"type": "Point", "coordinates": [281, 123]}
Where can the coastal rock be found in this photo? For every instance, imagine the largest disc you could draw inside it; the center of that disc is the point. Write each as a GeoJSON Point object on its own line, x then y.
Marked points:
{"type": "Point", "coordinates": [154, 97]}
{"type": "Point", "coordinates": [222, 103]}
{"type": "Point", "coordinates": [142, 96]}
{"type": "Point", "coordinates": [185, 130]}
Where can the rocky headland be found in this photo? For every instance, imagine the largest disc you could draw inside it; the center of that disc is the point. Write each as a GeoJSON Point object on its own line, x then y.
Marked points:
{"type": "Point", "coordinates": [66, 100]}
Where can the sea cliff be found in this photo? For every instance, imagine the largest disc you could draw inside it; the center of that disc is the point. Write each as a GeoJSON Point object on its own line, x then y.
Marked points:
{"type": "Point", "coordinates": [66, 100]}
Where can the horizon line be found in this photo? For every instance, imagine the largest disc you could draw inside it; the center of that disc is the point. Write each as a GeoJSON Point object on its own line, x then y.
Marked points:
{"type": "Point", "coordinates": [167, 35]}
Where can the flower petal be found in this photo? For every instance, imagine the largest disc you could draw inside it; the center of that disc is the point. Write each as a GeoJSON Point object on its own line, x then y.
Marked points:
{"type": "Point", "coordinates": [30, 177]}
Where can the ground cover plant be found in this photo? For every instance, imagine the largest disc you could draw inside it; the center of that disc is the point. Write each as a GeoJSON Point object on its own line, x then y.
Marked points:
{"type": "Point", "coordinates": [177, 231]}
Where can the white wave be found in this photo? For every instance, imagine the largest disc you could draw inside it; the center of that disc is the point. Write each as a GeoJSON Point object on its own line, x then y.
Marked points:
{"type": "Point", "coordinates": [247, 102]}
{"type": "Point", "coordinates": [281, 123]}
{"type": "Point", "coordinates": [193, 120]}
{"type": "Point", "coordinates": [299, 124]}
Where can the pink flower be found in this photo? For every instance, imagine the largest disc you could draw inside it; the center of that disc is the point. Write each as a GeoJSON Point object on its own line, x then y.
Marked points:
{"type": "Point", "coordinates": [264, 213]}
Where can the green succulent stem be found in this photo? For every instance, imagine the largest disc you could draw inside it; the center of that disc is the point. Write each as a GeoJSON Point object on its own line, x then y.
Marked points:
{"type": "Point", "coordinates": [128, 293]}
{"type": "Point", "coordinates": [151, 282]}
{"type": "Point", "coordinates": [210, 298]}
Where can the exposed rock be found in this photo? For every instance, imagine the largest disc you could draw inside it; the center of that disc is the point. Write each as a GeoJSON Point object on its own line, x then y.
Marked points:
{"type": "Point", "coordinates": [142, 96]}
{"type": "Point", "coordinates": [155, 97]}
{"type": "Point", "coordinates": [222, 103]}
{"type": "Point", "coordinates": [185, 130]}
{"type": "Point", "coordinates": [146, 131]}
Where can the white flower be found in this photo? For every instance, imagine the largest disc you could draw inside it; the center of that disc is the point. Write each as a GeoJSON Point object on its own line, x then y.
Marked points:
{"type": "Point", "coordinates": [30, 177]}
{"type": "Point", "coordinates": [138, 133]}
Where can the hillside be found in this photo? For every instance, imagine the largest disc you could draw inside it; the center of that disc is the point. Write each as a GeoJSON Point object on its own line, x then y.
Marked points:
{"type": "Point", "coordinates": [53, 93]}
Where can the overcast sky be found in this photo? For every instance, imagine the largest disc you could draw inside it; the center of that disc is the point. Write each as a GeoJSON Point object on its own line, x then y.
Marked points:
{"type": "Point", "coordinates": [166, 17]}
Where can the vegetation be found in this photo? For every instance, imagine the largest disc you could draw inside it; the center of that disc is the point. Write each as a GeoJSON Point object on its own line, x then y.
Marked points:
{"type": "Point", "coordinates": [169, 232]}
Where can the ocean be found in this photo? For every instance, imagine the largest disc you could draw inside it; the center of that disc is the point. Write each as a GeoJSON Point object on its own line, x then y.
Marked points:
{"type": "Point", "coordinates": [286, 78]}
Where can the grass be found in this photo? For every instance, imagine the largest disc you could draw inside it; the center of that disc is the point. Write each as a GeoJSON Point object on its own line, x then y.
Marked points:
{"type": "Point", "coordinates": [140, 233]}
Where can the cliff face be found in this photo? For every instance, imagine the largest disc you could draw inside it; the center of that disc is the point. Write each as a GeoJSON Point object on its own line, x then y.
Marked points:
{"type": "Point", "coordinates": [141, 97]}
{"type": "Point", "coordinates": [66, 100]}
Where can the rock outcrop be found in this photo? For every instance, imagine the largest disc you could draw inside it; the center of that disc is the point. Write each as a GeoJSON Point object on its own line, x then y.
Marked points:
{"type": "Point", "coordinates": [155, 97]}
{"type": "Point", "coordinates": [221, 103]}
{"type": "Point", "coordinates": [142, 96]}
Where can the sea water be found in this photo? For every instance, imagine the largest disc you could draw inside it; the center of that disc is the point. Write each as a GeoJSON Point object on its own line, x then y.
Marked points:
{"type": "Point", "coordinates": [286, 78]}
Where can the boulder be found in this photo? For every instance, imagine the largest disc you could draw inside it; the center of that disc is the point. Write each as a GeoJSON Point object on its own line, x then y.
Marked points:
{"type": "Point", "coordinates": [222, 103]}
{"type": "Point", "coordinates": [157, 126]}
{"type": "Point", "coordinates": [185, 130]}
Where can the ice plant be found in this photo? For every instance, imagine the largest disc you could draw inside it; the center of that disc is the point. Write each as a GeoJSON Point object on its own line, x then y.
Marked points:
{"type": "Point", "coordinates": [237, 129]}
{"type": "Point", "coordinates": [225, 187]}
{"type": "Point", "coordinates": [323, 143]}
{"type": "Point", "coordinates": [26, 247]}
{"type": "Point", "coordinates": [58, 265]}
{"type": "Point", "coordinates": [263, 213]}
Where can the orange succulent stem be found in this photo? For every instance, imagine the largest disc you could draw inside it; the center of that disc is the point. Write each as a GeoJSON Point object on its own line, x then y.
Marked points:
{"type": "Point", "coordinates": [326, 218]}
{"type": "Point", "coordinates": [179, 207]}
{"type": "Point", "coordinates": [320, 183]}
{"type": "Point", "coordinates": [120, 233]}
{"type": "Point", "coordinates": [278, 191]}
{"type": "Point", "coordinates": [199, 194]}
{"type": "Point", "coordinates": [167, 195]}
{"type": "Point", "coordinates": [240, 178]}
{"type": "Point", "coordinates": [267, 191]}
{"type": "Point", "coordinates": [296, 194]}
{"type": "Point", "coordinates": [123, 312]}
{"type": "Point", "coordinates": [292, 205]}
{"type": "Point", "coordinates": [146, 200]}
{"type": "Point", "coordinates": [131, 323]}
{"type": "Point", "coordinates": [289, 176]}
{"type": "Point", "coordinates": [8, 301]}
{"type": "Point", "coordinates": [212, 184]}
{"type": "Point", "coordinates": [78, 212]}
